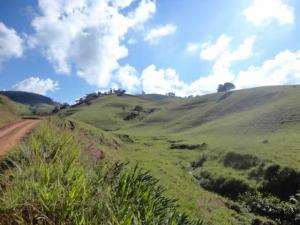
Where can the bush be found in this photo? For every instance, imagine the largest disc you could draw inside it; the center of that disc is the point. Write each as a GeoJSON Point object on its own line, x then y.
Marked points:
{"type": "Point", "coordinates": [271, 207]}
{"type": "Point", "coordinates": [138, 108]}
{"type": "Point", "coordinates": [296, 201]}
{"type": "Point", "coordinates": [281, 182]}
{"type": "Point", "coordinates": [199, 163]}
{"type": "Point", "coordinates": [239, 161]}
{"type": "Point", "coordinates": [187, 146]}
{"type": "Point", "coordinates": [225, 186]}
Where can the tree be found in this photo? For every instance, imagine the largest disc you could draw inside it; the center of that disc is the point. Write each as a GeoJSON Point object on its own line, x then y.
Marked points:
{"type": "Point", "coordinates": [119, 92]}
{"type": "Point", "coordinates": [171, 94]}
{"type": "Point", "coordinates": [225, 87]}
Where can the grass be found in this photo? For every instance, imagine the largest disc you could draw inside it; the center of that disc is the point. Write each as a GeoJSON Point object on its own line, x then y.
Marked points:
{"type": "Point", "coordinates": [49, 181]}
{"type": "Point", "coordinates": [55, 179]}
{"type": "Point", "coordinates": [262, 123]}
{"type": "Point", "coordinates": [11, 111]}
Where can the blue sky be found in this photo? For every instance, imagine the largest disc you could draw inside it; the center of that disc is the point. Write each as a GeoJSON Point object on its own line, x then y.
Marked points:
{"type": "Point", "coordinates": [67, 48]}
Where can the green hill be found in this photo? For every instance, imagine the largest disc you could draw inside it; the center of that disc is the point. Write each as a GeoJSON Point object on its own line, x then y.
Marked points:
{"type": "Point", "coordinates": [37, 104]}
{"type": "Point", "coordinates": [10, 111]}
{"type": "Point", "coordinates": [209, 151]}
{"type": "Point", "coordinates": [27, 98]}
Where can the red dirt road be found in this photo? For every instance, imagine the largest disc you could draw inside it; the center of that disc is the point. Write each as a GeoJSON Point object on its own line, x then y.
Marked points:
{"type": "Point", "coordinates": [11, 134]}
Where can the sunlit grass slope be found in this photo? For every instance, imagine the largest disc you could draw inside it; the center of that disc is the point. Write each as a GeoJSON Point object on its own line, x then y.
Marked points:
{"type": "Point", "coordinates": [50, 179]}
{"type": "Point", "coordinates": [241, 120]}
{"type": "Point", "coordinates": [260, 124]}
{"type": "Point", "coordinates": [10, 111]}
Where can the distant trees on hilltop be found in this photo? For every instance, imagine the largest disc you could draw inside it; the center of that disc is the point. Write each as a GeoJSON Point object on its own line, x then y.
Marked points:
{"type": "Point", "coordinates": [89, 97]}
{"type": "Point", "coordinates": [171, 94]}
{"type": "Point", "coordinates": [225, 87]}
{"type": "Point", "coordinates": [28, 98]}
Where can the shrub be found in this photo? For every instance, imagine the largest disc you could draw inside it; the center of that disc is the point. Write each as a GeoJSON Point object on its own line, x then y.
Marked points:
{"type": "Point", "coordinates": [296, 201]}
{"type": "Point", "coordinates": [138, 108]}
{"type": "Point", "coordinates": [269, 206]}
{"type": "Point", "coordinates": [198, 163]}
{"type": "Point", "coordinates": [187, 146]}
{"type": "Point", "coordinates": [239, 161]}
{"type": "Point", "coordinates": [281, 182]}
{"type": "Point", "coordinates": [227, 186]}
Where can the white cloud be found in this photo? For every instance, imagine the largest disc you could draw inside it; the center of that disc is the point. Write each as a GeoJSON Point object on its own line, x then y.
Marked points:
{"type": "Point", "coordinates": [192, 48]}
{"type": "Point", "coordinates": [11, 45]}
{"type": "Point", "coordinates": [223, 57]}
{"type": "Point", "coordinates": [36, 85]}
{"type": "Point", "coordinates": [127, 78]}
{"type": "Point", "coordinates": [211, 51]}
{"type": "Point", "coordinates": [155, 34]}
{"type": "Point", "coordinates": [88, 34]}
{"type": "Point", "coordinates": [283, 69]}
{"type": "Point", "coordinates": [161, 81]}
{"type": "Point", "coordinates": [266, 11]}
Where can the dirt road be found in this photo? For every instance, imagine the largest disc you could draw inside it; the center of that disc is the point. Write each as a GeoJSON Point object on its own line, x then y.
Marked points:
{"type": "Point", "coordinates": [11, 134]}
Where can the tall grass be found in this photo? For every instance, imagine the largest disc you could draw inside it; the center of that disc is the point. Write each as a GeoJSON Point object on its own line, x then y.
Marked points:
{"type": "Point", "coordinates": [46, 182]}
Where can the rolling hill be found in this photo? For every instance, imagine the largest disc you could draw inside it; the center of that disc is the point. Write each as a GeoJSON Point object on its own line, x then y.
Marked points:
{"type": "Point", "coordinates": [37, 104]}
{"type": "Point", "coordinates": [11, 111]}
{"type": "Point", "coordinates": [28, 98]}
{"type": "Point", "coordinates": [208, 151]}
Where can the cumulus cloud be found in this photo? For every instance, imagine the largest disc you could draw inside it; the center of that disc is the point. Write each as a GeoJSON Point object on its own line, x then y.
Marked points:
{"type": "Point", "coordinates": [155, 34]}
{"type": "Point", "coordinates": [87, 35]}
{"type": "Point", "coordinates": [211, 51]}
{"type": "Point", "coordinates": [127, 78]}
{"type": "Point", "coordinates": [223, 56]}
{"type": "Point", "coordinates": [36, 85]}
{"type": "Point", "coordinates": [161, 81]}
{"type": "Point", "coordinates": [266, 11]}
{"type": "Point", "coordinates": [284, 68]}
{"type": "Point", "coordinates": [11, 45]}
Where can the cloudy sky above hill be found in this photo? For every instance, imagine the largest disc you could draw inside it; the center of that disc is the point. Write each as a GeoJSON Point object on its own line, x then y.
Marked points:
{"type": "Point", "coordinates": [67, 48]}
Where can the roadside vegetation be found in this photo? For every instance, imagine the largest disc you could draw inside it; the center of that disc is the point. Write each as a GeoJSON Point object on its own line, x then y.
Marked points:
{"type": "Point", "coordinates": [50, 180]}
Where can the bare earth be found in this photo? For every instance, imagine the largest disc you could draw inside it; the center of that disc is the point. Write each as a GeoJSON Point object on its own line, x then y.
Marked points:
{"type": "Point", "coordinates": [11, 134]}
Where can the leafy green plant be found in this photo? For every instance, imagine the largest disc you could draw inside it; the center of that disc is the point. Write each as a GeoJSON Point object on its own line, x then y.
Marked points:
{"type": "Point", "coordinates": [270, 207]}
{"type": "Point", "coordinates": [50, 184]}
{"type": "Point", "coordinates": [296, 201]}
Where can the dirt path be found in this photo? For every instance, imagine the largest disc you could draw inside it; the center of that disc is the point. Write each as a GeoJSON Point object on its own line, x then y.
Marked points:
{"type": "Point", "coordinates": [11, 134]}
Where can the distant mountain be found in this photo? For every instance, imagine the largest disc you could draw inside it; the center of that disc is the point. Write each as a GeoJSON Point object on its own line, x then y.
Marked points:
{"type": "Point", "coordinates": [28, 98]}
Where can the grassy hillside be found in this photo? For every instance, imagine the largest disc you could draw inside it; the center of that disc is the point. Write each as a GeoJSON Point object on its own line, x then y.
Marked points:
{"type": "Point", "coordinates": [11, 111]}
{"type": "Point", "coordinates": [243, 118]}
{"type": "Point", "coordinates": [27, 98]}
{"type": "Point", "coordinates": [209, 151]}
{"type": "Point", "coordinates": [48, 180]}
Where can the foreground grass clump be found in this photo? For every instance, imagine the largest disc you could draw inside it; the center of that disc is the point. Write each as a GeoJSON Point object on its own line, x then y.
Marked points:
{"type": "Point", "coordinates": [47, 182]}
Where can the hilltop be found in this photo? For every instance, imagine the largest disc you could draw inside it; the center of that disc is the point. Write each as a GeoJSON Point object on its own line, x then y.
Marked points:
{"type": "Point", "coordinates": [35, 104]}
{"type": "Point", "coordinates": [10, 110]}
{"type": "Point", "coordinates": [227, 143]}
{"type": "Point", "coordinates": [27, 98]}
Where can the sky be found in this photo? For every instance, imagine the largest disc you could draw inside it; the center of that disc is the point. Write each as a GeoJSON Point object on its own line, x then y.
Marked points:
{"type": "Point", "coordinates": [68, 48]}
